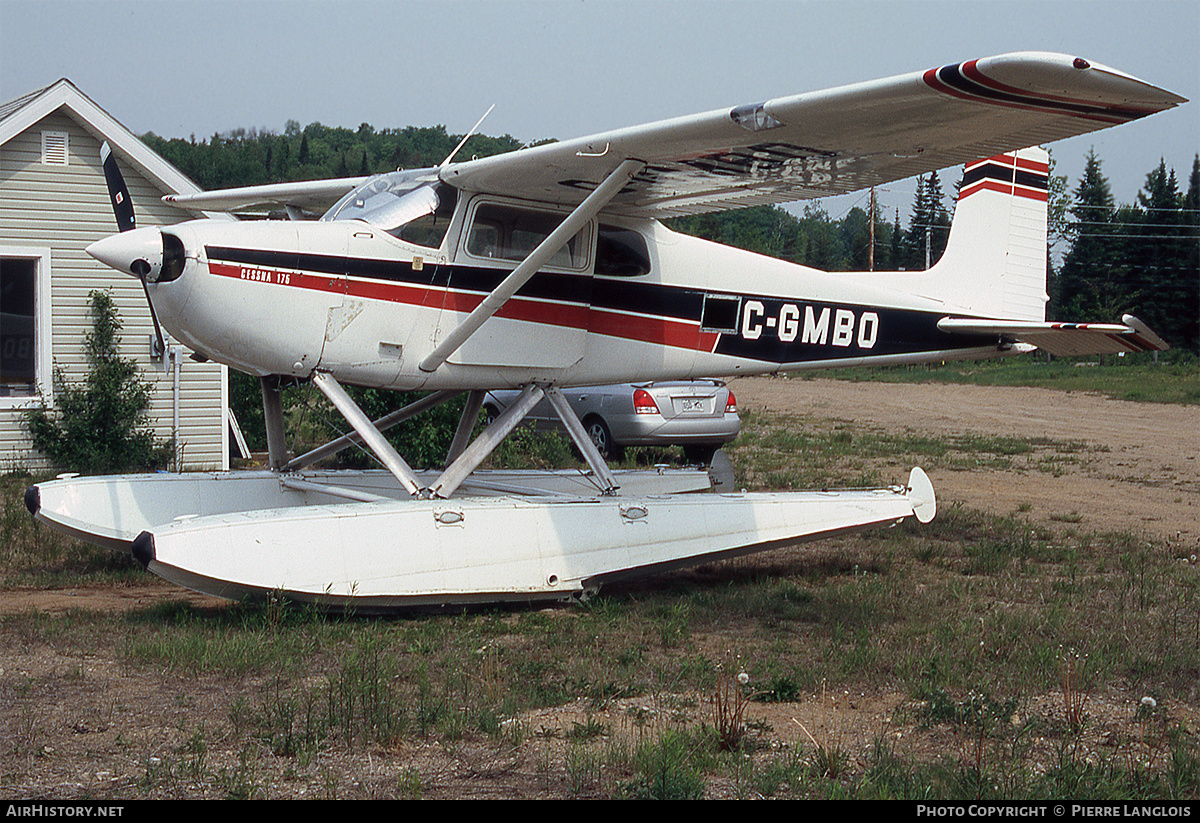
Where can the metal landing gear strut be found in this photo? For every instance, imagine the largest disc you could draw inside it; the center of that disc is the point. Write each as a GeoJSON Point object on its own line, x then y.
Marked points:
{"type": "Point", "coordinates": [463, 458]}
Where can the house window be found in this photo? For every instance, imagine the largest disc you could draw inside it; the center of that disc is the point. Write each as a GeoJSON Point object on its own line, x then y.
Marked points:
{"type": "Point", "coordinates": [25, 361]}
{"type": "Point", "coordinates": [54, 148]}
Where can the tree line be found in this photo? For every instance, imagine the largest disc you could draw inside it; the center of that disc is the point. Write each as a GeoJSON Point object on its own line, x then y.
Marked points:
{"type": "Point", "coordinates": [1116, 258]}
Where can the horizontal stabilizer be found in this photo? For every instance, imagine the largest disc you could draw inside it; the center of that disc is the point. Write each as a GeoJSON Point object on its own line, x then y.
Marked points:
{"type": "Point", "coordinates": [1065, 339]}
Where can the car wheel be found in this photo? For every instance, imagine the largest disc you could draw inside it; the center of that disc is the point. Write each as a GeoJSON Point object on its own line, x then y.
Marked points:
{"type": "Point", "coordinates": [598, 431]}
{"type": "Point", "coordinates": [699, 453]}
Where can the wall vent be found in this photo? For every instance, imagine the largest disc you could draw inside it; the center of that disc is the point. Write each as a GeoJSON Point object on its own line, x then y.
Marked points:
{"type": "Point", "coordinates": [54, 148]}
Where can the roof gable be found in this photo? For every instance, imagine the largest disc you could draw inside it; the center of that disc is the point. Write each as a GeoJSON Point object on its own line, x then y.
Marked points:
{"type": "Point", "coordinates": [26, 111]}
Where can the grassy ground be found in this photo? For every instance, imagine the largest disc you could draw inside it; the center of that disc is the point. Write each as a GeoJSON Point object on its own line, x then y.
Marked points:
{"type": "Point", "coordinates": [1175, 379]}
{"type": "Point", "coordinates": [1003, 641]}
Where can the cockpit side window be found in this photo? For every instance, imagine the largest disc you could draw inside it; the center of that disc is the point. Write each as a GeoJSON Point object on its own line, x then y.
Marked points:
{"type": "Point", "coordinates": [504, 232]}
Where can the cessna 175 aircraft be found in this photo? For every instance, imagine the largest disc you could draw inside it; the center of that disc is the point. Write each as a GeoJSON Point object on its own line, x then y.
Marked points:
{"type": "Point", "coordinates": [548, 268]}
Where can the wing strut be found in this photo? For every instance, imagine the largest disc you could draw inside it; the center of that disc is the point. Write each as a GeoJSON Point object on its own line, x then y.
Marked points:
{"type": "Point", "coordinates": [558, 238]}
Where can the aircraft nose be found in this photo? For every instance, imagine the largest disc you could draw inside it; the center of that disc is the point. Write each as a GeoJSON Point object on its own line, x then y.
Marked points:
{"type": "Point", "coordinates": [148, 253]}
{"type": "Point", "coordinates": [138, 251]}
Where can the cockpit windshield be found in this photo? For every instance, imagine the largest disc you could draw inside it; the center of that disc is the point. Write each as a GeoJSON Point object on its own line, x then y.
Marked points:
{"type": "Point", "coordinates": [388, 201]}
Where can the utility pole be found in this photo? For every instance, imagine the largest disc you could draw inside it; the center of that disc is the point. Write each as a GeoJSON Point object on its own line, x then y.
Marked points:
{"type": "Point", "coordinates": [871, 250]}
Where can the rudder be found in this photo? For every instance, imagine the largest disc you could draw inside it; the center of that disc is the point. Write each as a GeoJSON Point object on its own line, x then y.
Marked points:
{"type": "Point", "coordinates": [995, 259]}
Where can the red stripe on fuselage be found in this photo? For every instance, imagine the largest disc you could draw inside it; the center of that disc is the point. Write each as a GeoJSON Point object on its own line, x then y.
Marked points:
{"type": "Point", "coordinates": [642, 328]}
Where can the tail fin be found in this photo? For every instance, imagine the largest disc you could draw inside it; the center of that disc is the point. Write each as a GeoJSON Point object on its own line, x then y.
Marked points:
{"type": "Point", "coordinates": [995, 259]}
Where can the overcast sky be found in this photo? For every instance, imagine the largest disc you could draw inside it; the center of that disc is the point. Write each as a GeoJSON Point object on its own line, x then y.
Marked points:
{"type": "Point", "coordinates": [572, 67]}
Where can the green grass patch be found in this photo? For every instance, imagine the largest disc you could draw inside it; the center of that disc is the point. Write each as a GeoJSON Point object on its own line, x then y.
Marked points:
{"type": "Point", "coordinates": [1175, 379]}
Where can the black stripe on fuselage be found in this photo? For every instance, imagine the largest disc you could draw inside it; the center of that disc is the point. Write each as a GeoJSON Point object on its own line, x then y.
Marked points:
{"type": "Point", "coordinates": [618, 294]}
{"type": "Point", "coordinates": [892, 331]}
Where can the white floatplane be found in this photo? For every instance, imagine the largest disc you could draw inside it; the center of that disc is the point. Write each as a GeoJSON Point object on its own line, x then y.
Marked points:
{"type": "Point", "coordinates": [548, 268]}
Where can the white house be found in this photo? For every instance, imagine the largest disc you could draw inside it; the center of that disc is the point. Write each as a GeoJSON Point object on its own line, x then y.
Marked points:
{"type": "Point", "coordinates": [53, 203]}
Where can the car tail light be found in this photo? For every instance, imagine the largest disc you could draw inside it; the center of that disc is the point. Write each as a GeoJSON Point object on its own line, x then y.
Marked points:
{"type": "Point", "coordinates": [731, 404]}
{"type": "Point", "coordinates": [643, 403]}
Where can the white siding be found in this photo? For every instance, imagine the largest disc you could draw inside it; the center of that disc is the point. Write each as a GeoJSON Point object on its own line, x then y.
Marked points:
{"type": "Point", "coordinates": [66, 208]}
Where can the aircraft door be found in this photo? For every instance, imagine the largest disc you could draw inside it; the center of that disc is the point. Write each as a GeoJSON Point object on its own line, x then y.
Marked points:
{"type": "Point", "coordinates": [544, 325]}
{"type": "Point", "coordinates": [363, 333]}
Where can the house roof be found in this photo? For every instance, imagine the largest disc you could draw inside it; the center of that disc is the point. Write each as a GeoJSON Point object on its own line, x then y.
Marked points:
{"type": "Point", "coordinates": [25, 111]}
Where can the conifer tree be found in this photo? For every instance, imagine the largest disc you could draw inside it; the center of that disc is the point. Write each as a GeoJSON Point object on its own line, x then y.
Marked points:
{"type": "Point", "coordinates": [1090, 285]}
{"type": "Point", "coordinates": [929, 225]}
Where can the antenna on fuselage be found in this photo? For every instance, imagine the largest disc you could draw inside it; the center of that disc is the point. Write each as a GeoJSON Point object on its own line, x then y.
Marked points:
{"type": "Point", "coordinates": [462, 142]}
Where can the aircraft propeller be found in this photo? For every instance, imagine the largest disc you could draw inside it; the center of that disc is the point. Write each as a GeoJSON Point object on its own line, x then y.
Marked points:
{"type": "Point", "coordinates": [138, 252]}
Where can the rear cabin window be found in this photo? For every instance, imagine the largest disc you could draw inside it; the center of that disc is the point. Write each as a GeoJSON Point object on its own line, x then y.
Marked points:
{"type": "Point", "coordinates": [500, 232]}
{"type": "Point", "coordinates": [621, 252]}
{"type": "Point", "coordinates": [720, 313]}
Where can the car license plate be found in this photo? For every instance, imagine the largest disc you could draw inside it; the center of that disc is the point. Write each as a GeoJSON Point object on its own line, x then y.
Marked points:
{"type": "Point", "coordinates": [691, 405]}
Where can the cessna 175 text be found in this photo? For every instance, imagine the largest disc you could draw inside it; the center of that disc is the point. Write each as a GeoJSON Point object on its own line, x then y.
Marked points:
{"type": "Point", "coordinates": [548, 268]}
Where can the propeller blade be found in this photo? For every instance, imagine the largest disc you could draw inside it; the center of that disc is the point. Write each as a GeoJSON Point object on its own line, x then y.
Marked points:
{"type": "Point", "coordinates": [159, 342]}
{"type": "Point", "coordinates": [122, 204]}
{"type": "Point", "coordinates": [118, 193]}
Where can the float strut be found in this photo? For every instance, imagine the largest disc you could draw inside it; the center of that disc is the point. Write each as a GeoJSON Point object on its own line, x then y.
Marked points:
{"type": "Point", "coordinates": [372, 437]}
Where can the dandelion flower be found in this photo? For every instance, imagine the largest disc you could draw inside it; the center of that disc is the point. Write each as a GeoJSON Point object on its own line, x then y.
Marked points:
{"type": "Point", "coordinates": [1149, 702]}
{"type": "Point", "coordinates": [743, 678]}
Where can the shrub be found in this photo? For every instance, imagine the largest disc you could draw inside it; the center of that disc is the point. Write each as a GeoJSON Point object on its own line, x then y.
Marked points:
{"type": "Point", "coordinates": [99, 426]}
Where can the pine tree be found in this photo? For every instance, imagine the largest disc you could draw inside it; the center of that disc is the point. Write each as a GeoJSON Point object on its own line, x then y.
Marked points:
{"type": "Point", "coordinates": [939, 218]}
{"type": "Point", "coordinates": [1090, 285]}
{"type": "Point", "coordinates": [928, 227]}
{"type": "Point", "coordinates": [1191, 259]}
{"type": "Point", "coordinates": [897, 244]}
{"type": "Point", "coordinates": [1153, 253]}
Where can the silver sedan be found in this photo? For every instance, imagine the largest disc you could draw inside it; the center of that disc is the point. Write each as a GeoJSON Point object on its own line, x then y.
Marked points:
{"type": "Point", "coordinates": [700, 415]}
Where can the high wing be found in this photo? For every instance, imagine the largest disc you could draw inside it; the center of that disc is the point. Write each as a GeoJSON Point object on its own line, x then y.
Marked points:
{"type": "Point", "coordinates": [828, 142]}
{"type": "Point", "coordinates": [308, 195]}
{"type": "Point", "coordinates": [791, 148]}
